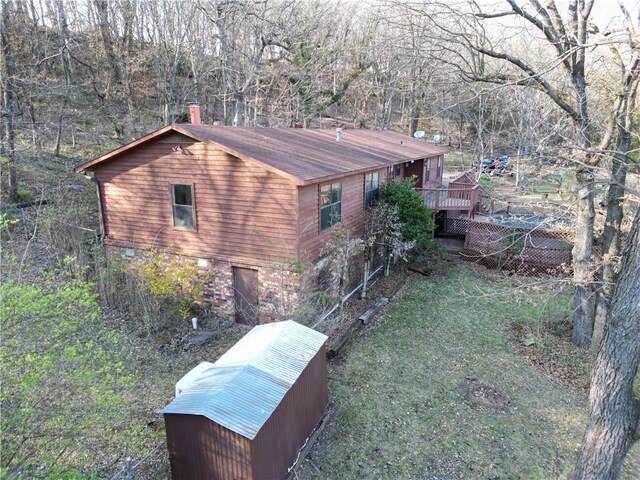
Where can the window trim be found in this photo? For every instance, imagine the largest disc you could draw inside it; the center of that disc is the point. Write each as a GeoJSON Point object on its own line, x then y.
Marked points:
{"type": "Point", "coordinates": [439, 167]}
{"type": "Point", "coordinates": [376, 189]}
{"type": "Point", "coordinates": [329, 205]}
{"type": "Point", "coordinates": [192, 186]}
{"type": "Point", "coordinates": [427, 170]}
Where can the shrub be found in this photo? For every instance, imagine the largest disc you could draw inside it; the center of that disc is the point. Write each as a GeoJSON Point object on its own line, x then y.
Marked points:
{"type": "Point", "coordinates": [175, 283]}
{"type": "Point", "coordinates": [415, 216]}
{"type": "Point", "coordinates": [155, 289]}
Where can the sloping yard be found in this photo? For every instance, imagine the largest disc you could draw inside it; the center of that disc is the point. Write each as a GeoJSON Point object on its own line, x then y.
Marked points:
{"type": "Point", "coordinates": [399, 394]}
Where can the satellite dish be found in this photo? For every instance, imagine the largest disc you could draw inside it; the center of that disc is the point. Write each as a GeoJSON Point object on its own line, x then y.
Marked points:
{"type": "Point", "coordinates": [419, 134]}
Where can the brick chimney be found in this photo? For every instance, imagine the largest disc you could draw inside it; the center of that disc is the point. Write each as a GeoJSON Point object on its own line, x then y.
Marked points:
{"type": "Point", "coordinates": [194, 114]}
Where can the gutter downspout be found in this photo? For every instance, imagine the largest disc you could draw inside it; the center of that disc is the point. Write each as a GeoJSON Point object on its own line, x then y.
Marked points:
{"type": "Point", "coordinates": [101, 219]}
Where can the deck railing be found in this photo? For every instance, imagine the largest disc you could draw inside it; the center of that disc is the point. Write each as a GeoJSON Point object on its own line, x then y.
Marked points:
{"type": "Point", "coordinates": [456, 198]}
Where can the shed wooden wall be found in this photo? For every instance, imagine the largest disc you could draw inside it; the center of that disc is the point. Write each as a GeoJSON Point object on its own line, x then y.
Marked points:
{"type": "Point", "coordinates": [311, 238]}
{"type": "Point", "coordinates": [243, 212]}
{"type": "Point", "coordinates": [200, 449]}
{"type": "Point", "coordinates": [276, 446]}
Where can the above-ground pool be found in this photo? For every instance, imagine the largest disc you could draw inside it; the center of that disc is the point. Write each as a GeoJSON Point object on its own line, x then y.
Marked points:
{"type": "Point", "coordinates": [531, 220]}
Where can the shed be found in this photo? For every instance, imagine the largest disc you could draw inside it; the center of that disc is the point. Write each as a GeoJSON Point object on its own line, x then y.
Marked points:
{"type": "Point", "coordinates": [248, 414]}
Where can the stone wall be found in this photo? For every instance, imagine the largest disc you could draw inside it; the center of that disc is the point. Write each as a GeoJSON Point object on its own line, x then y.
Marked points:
{"type": "Point", "coordinates": [285, 291]}
{"type": "Point", "coordinates": [278, 286]}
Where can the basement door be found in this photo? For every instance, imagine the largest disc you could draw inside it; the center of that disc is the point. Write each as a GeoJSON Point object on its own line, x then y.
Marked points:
{"type": "Point", "coordinates": [245, 294]}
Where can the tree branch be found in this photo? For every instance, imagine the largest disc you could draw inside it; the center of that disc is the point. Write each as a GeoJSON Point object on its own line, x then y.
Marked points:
{"type": "Point", "coordinates": [548, 28]}
{"type": "Point", "coordinates": [534, 76]}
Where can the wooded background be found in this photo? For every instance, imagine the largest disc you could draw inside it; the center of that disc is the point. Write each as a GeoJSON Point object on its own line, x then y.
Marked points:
{"type": "Point", "coordinates": [535, 80]}
{"type": "Point", "coordinates": [96, 72]}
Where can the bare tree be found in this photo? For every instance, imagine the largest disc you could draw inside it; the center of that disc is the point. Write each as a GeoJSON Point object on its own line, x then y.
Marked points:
{"type": "Point", "coordinates": [613, 426]}
{"type": "Point", "coordinates": [245, 30]}
{"type": "Point", "coordinates": [8, 79]}
{"type": "Point", "coordinates": [624, 118]}
{"type": "Point", "coordinates": [566, 43]}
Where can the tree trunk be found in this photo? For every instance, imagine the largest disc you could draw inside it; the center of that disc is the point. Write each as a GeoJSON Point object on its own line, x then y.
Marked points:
{"type": "Point", "coordinates": [415, 117]}
{"type": "Point", "coordinates": [63, 38]}
{"type": "Point", "coordinates": [365, 279]}
{"type": "Point", "coordinates": [9, 140]}
{"type": "Point", "coordinates": [611, 236]}
{"type": "Point", "coordinates": [238, 118]}
{"type": "Point", "coordinates": [582, 263]}
{"type": "Point", "coordinates": [610, 240]}
{"type": "Point", "coordinates": [102, 8]}
{"type": "Point", "coordinates": [387, 261]}
{"type": "Point", "coordinates": [612, 426]}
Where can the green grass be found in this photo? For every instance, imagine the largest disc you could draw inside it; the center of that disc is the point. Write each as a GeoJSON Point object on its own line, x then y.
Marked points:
{"type": "Point", "coordinates": [455, 159]}
{"type": "Point", "coordinates": [399, 396]}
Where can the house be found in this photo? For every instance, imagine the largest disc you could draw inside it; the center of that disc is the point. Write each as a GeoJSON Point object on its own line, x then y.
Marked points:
{"type": "Point", "coordinates": [246, 202]}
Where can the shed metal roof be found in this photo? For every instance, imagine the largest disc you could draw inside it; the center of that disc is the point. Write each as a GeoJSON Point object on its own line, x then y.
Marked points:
{"type": "Point", "coordinates": [304, 155]}
{"type": "Point", "coordinates": [245, 385]}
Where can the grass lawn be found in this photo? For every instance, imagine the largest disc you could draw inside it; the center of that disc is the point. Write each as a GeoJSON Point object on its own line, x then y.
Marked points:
{"type": "Point", "coordinates": [399, 394]}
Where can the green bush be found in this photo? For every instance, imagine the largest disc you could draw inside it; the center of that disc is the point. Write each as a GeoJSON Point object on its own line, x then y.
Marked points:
{"type": "Point", "coordinates": [415, 216]}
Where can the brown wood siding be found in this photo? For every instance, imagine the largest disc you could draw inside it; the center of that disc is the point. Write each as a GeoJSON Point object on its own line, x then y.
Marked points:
{"type": "Point", "coordinates": [433, 178]}
{"type": "Point", "coordinates": [200, 449]}
{"type": "Point", "coordinates": [176, 137]}
{"type": "Point", "coordinates": [243, 212]}
{"type": "Point", "coordinates": [311, 239]}
{"type": "Point", "coordinates": [441, 159]}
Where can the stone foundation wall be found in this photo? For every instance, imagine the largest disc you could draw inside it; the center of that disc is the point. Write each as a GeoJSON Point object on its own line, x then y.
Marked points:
{"type": "Point", "coordinates": [278, 287]}
{"type": "Point", "coordinates": [277, 291]}
{"type": "Point", "coordinates": [282, 292]}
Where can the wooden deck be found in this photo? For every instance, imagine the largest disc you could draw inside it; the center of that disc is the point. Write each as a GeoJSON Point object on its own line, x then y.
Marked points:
{"type": "Point", "coordinates": [457, 198]}
{"type": "Point", "coordinates": [447, 203]}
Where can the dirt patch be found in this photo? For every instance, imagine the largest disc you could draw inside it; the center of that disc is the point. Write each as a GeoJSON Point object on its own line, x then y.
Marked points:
{"type": "Point", "coordinates": [487, 396]}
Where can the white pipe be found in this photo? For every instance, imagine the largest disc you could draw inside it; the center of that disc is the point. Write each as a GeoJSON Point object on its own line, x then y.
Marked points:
{"type": "Point", "coordinates": [344, 299]}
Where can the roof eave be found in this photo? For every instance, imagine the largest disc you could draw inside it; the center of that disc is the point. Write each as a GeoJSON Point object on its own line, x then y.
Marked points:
{"type": "Point", "coordinates": [91, 164]}
{"type": "Point", "coordinates": [235, 153]}
{"type": "Point", "coordinates": [328, 178]}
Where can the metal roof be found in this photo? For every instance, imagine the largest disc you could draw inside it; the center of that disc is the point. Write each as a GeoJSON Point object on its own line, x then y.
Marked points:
{"type": "Point", "coordinates": [245, 385]}
{"type": "Point", "coordinates": [304, 155]}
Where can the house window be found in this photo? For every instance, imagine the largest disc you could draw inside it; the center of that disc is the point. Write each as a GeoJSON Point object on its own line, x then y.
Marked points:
{"type": "Point", "coordinates": [330, 204]}
{"type": "Point", "coordinates": [393, 171]}
{"type": "Point", "coordinates": [182, 202]}
{"type": "Point", "coordinates": [439, 168]}
{"type": "Point", "coordinates": [371, 188]}
{"type": "Point", "coordinates": [427, 171]}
